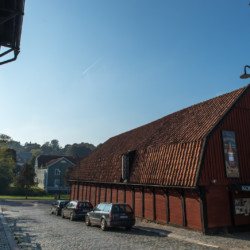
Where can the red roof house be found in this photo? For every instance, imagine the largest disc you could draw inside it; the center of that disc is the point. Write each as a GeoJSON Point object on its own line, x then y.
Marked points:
{"type": "Point", "coordinates": [190, 168]}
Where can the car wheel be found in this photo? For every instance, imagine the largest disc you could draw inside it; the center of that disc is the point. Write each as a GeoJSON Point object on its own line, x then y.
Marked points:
{"type": "Point", "coordinates": [103, 225]}
{"type": "Point", "coordinates": [71, 216]}
{"type": "Point", "coordinates": [87, 221]}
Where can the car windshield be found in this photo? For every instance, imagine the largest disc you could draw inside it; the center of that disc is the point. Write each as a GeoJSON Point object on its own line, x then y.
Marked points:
{"type": "Point", "coordinates": [84, 205]}
{"type": "Point", "coordinates": [63, 203]}
{"type": "Point", "coordinates": [121, 208]}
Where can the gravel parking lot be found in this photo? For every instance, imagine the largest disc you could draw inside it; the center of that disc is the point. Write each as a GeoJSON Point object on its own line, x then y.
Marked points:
{"type": "Point", "coordinates": [34, 227]}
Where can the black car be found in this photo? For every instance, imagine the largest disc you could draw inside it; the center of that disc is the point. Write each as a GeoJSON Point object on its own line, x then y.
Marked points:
{"type": "Point", "coordinates": [111, 215]}
{"type": "Point", "coordinates": [76, 209]}
{"type": "Point", "coordinates": [57, 206]}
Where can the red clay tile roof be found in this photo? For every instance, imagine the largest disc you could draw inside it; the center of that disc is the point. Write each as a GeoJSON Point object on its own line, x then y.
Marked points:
{"type": "Point", "coordinates": [44, 160]}
{"type": "Point", "coordinates": [166, 152]}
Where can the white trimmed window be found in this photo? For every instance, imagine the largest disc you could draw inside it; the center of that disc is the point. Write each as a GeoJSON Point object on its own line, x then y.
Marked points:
{"type": "Point", "coordinates": [57, 171]}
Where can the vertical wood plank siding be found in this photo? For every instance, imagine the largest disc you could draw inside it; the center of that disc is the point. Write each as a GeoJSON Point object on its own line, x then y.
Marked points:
{"type": "Point", "coordinates": [218, 215]}
{"type": "Point", "coordinates": [160, 206]}
{"type": "Point", "coordinates": [175, 209]}
{"type": "Point", "coordinates": [108, 192]}
{"type": "Point", "coordinates": [93, 194]}
{"type": "Point", "coordinates": [148, 200]}
{"type": "Point", "coordinates": [163, 206]}
{"type": "Point", "coordinates": [238, 120]}
{"type": "Point", "coordinates": [138, 202]}
{"type": "Point", "coordinates": [102, 197]}
{"type": "Point", "coordinates": [80, 192]}
{"type": "Point", "coordinates": [121, 195]}
{"type": "Point", "coordinates": [193, 212]}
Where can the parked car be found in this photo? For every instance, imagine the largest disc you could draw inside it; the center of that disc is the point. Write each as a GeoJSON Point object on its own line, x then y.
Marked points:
{"type": "Point", "coordinates": [111, 215]}
{"type": "Point", "coordinates": [76, 209]}
{"type": "Point", "coordinates": [56, 206]}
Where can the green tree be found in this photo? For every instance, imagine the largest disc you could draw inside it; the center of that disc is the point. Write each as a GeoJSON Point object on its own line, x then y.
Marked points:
{"type": "Point", "coordinates": [36, 152]}
{"type": "Point", "coordinates": [32, 161]}
{"type": "Point", "coordinates": [80, 150]}
{"type": "Point", "coordinates": [25, 178]}
{"type": "Point", "coordinates": [5, 138]}
{"type": "Point", "coordinates": [7, 166]}
{"type": "Point", "coordinates": [67, 174]}
{"type": "Point", "coordinates": [55, 145]}
{"type": "Point", "coordinates": [46, 149]}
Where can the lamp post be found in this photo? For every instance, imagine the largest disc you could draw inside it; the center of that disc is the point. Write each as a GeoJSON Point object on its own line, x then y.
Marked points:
{"type": "Point", "coordinates": [245, 75]}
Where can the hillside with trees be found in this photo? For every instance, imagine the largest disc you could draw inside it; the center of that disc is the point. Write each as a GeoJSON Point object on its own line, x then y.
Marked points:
{"type": "Point", "coordinates": [23, 175]}
{"type": "Point", "coordinates": [77, 150]}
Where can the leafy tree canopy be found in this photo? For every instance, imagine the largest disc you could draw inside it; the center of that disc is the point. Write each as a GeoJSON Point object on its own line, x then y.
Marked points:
{"type": "Point", "coordinates": [25, 178]}
{"type": "Point", "coordinates": [53, 148]}
{"type": "Point", "coordinates": [7, 166]}
{"type": "Point", "coordinates": [5, 138]}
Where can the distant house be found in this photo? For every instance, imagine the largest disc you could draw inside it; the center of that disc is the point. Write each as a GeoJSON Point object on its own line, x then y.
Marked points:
{"type": "Point", "coordinates": [23, 158]}
{"type": "Point", "coordinates": [190, 168]}
{"type": "Point", "coordinates": [50, 171]}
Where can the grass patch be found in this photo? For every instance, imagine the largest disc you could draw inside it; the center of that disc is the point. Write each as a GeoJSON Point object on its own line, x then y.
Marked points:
{"type": "Point", "coordinates": [45, 197]}
{"type": "Point", "coordinates": [36, 193]}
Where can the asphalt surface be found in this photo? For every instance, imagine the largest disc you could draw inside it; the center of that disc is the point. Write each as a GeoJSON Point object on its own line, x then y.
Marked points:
{"type": "Point", "coordinates": [28, 224]}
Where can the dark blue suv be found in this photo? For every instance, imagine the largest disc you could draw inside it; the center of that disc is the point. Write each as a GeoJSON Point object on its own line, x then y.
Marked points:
{"type": "Point", "coordinates": [76, 209]}
{"type": "Point", "coordinates": [111, 215]}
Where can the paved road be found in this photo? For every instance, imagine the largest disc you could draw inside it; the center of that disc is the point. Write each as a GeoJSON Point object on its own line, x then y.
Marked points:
{"type": "Point", "coordinates": [34, 227]}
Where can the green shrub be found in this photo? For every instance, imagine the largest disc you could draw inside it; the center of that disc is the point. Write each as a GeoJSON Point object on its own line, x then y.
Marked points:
{"type": "Point", "coordinates": [17, 191]}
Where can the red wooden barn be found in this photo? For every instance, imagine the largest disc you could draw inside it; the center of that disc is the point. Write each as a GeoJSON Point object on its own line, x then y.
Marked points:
{"type": "Point", "coordinates": [190, 168]}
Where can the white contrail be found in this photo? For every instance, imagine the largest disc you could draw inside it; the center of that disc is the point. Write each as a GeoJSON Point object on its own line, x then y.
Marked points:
{"type": "Point", "coordinates": [90, 67]}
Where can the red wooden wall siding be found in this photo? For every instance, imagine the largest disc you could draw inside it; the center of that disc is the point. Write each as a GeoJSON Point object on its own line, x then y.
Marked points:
{"type": "Point", "coordinates": [86, 192]}
{"type": "Point", "coordinates": [120, 195]}
{"type": "Point", "coordinates": [102, 196]}
{"type": "Point", "coordinates": [138, 202]}
{"type": "Point", "coordinates": [92, 196]}
{"type": "Point", "coordinates": [148, 204]}
{"type": "Point", "coordinates": [108, 194]}
{"type": "Point", "coordinates": [193, 213]}
{"type": "Point", "coordinates": [175, 209]}
{"type": "Point", "coordinates": [160, 206]}
{"type": "Point", "coordinates": [129, 197]}
{"type": "Point", "coordinates": [80, 192]}
{"type": "Point", "coordinates": [218, 207]}
{"type": "Point", "coordinates": [238, 120]}
{"type": "Point", "coordinates": [114, 194]}
{"type": "Point", "coordinates": [193, 216]}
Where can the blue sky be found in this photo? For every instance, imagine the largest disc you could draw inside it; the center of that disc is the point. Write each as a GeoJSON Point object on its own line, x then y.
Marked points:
{"type": "Point", "coordinates": [91, 69]}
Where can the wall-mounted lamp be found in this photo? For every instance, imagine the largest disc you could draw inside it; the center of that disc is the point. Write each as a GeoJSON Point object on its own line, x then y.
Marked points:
{"type": "Point", "coordinates": [245, 75]}
{"type": "Point", "coordinates": [213, 181]}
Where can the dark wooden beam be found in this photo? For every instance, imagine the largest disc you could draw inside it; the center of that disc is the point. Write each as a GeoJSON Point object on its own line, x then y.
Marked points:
{"type": "Point", "coordinates": [95, 194]}
{"type": "Point", "coordinates": [124, 194]}
{"type": "Point", "coordinates": [143, 203]}
{"type": "Point", "coordinates": [154, 205]}
{"type": "Point", "coordinates": [203, 209]}
{"type": "Point", "coordinates": [133, 199]}
{"type": "Point", "coordinates": [117, 190]}
{"type": "Point", "coordinates": [89, 192]}
{"type": "Point", "coordinates": [99, 194]}
{"type": "Point", "coordinates": [105, 194]}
